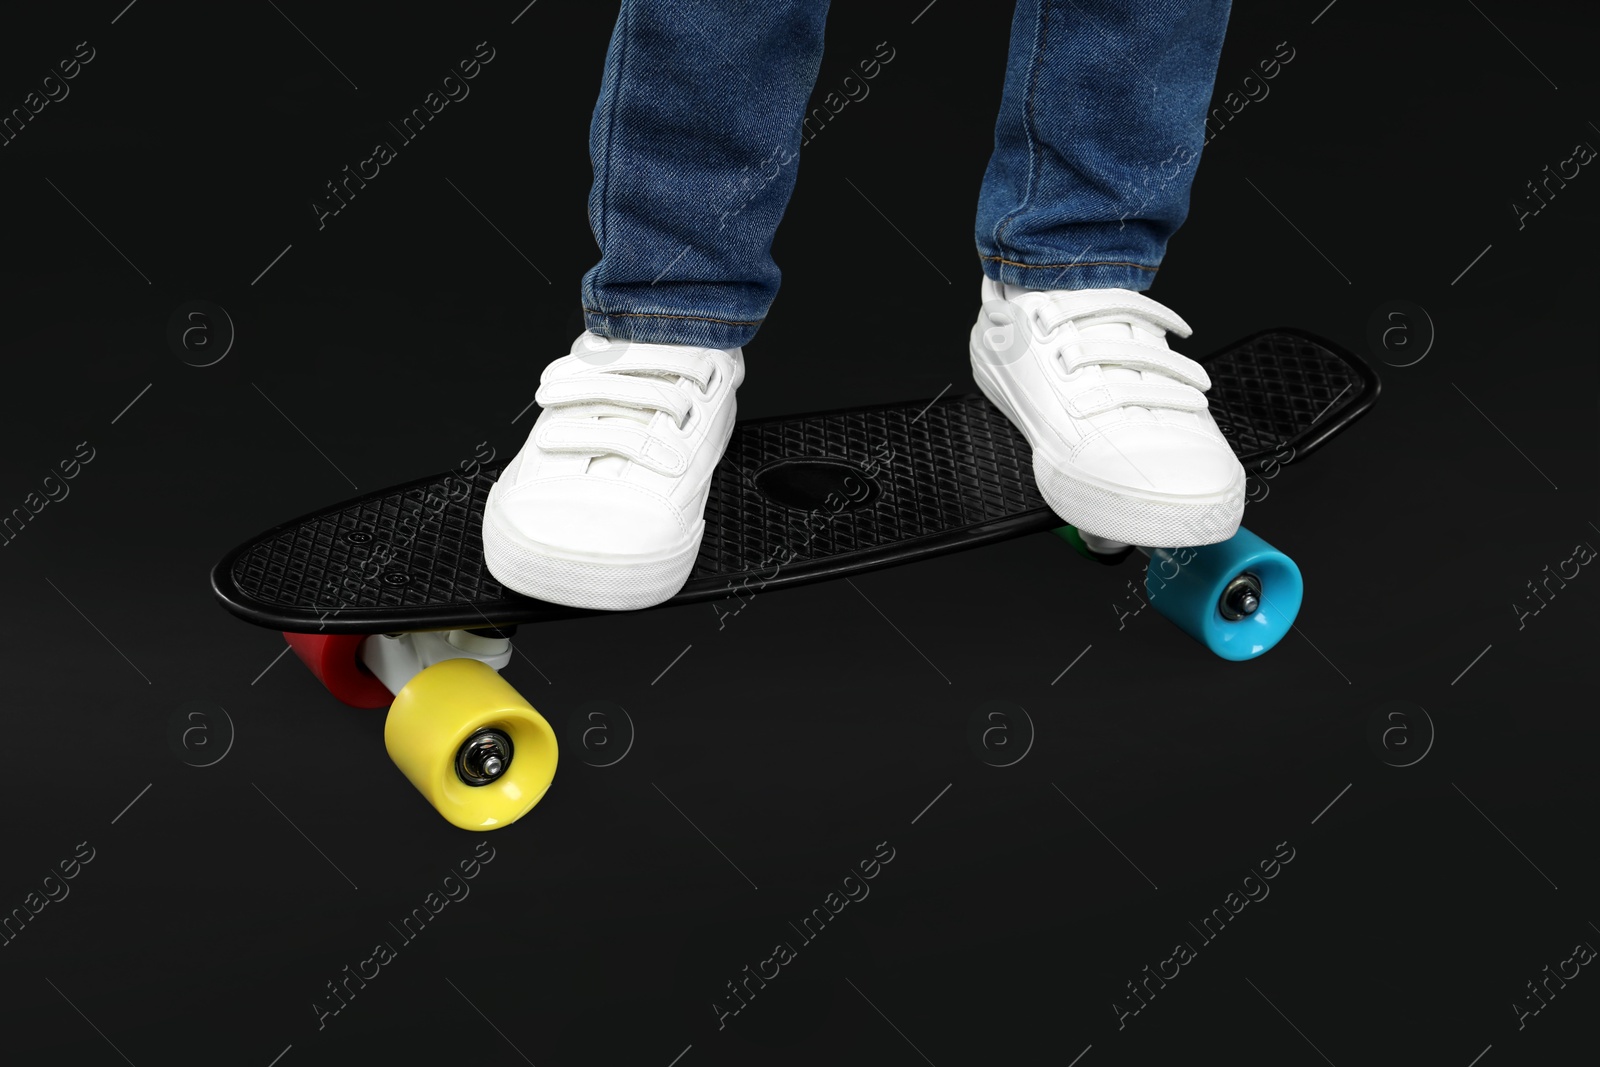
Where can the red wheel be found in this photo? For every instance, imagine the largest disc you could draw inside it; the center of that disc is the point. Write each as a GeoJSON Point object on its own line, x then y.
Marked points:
{"type": "Point", "coordinates": [334, 659]}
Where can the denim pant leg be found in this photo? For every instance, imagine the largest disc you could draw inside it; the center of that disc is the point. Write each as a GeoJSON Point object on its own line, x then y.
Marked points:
{"type": "Point", "coordinates": [695, 142]}
{"type": "Point", "coordinates": [1101, 123]}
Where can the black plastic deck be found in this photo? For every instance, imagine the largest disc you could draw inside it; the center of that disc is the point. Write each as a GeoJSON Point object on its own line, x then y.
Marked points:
{"type": "Point", "coordinates": [796, 498]}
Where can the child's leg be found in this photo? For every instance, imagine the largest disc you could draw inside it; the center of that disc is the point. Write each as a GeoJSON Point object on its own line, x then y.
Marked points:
{"type": "Point", "coordinates": [1101, 125]}
{"type": "Point", "coordinates": [1100, 129]}
{"type": "Point", "coordinates": [695, 143]}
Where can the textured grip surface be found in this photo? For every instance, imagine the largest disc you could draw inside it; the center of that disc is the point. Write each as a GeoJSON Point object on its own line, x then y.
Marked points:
{"type": "Point", "coordinates": [795, 498]}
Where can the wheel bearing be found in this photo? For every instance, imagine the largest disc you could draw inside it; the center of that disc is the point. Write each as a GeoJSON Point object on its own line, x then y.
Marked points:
{"type": "Point", "coordinates": [483, 757]}
{"type": "Point", "coordinates": [1240, 598]}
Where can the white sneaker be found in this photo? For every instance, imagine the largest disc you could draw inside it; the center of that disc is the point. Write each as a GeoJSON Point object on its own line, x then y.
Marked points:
{"type": "Point", "coordinates": [1123, 444]}
{"type": "Point", "coordinates": [604, 507]}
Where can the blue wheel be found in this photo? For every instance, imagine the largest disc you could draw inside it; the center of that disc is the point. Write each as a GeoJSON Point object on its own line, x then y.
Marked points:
{"type": "Point", "coordinates": [1238, 598]}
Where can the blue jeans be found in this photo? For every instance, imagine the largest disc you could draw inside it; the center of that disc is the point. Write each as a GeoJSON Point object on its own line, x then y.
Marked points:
{"type": "Point", "coordinates": [696, 140]}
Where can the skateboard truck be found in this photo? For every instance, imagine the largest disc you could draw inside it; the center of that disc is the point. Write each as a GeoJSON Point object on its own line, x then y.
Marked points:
{"type": "Point", "coordinates": [1240, 599]}
{"type": "Point", "coordinates": [398, 658]}
{"type": "Point", "coordinates": [1237, 597]}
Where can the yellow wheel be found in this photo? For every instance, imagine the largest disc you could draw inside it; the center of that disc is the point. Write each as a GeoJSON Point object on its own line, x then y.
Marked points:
{"type": "Point", "coordinates": [470, 744]}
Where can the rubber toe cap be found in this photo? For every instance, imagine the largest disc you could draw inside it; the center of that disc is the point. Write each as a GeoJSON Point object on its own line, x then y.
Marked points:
{"type": "Point", "coordinates": [589, 516]}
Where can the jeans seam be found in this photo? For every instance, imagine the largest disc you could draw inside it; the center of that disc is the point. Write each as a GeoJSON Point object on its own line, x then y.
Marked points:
{"type": "Point", "coordinates": [660, 315]}
{"type": "Point", "coordinates": [611, 129]}
{"type": "Point", "coordinates": [1064, 266]}
{"type": "Point", "coordinates": [1027, 125]}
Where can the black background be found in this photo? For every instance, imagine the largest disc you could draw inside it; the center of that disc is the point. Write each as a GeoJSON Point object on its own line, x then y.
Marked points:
{"type": "Point", "coordinates": [824, 720]}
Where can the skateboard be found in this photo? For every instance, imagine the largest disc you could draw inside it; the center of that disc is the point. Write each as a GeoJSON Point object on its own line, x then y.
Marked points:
{"type": "Point", "coordinates": [386, 599]}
